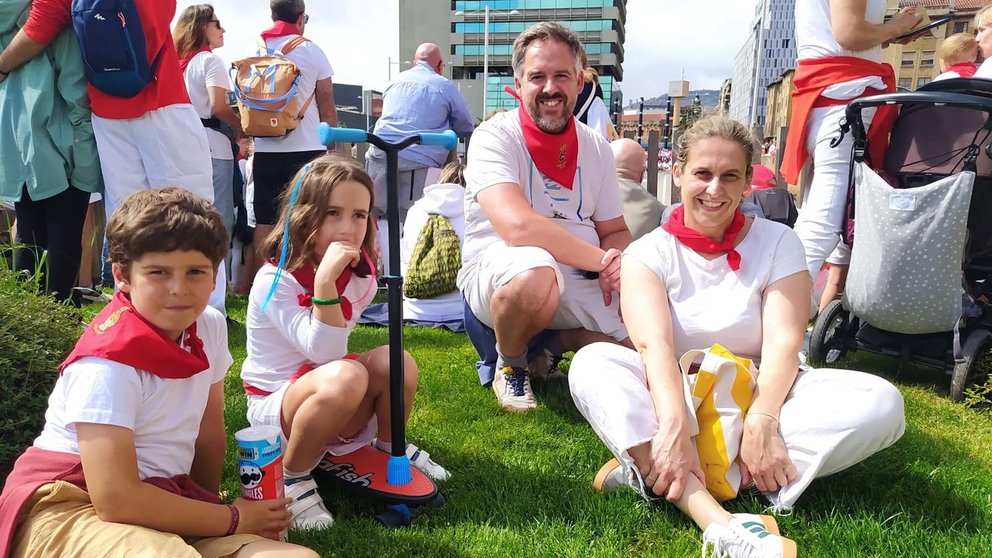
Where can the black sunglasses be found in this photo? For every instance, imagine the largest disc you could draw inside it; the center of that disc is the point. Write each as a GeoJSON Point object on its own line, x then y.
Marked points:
{"type": "Point", "coordinates": [217, 21]}
{"type": "Point", "coordinates": [306, 18]}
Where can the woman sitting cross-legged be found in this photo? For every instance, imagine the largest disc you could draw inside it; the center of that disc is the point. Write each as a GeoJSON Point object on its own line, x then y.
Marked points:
{"type": "Point", "coordinates": [711, 275]}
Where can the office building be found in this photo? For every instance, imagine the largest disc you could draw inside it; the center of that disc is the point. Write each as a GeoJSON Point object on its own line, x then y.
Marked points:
{"type": "Point", "coordinates": [458, 28]}
{"type": "Point", "coordinates": [769, 51]}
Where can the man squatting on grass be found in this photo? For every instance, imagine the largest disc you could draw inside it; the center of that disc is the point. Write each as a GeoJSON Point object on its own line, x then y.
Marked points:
{"type": "Point", "coordinates": [542, 208]}
{"type": "Point", "coordinates": [131, 454]}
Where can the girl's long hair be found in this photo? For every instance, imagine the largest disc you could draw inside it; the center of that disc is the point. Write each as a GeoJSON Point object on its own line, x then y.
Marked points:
{"type": "Point", "coordinates": [307, 213]}
{"type": "Point", "coordinates": [190, 33]}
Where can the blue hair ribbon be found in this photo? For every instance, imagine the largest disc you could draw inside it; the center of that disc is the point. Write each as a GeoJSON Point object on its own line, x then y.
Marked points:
{"type": "Point", "coordinates": [285, 236]}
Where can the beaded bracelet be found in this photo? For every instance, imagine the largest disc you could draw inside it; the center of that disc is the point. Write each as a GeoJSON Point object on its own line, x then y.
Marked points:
{"type": "Point", "coordinates": [325, 301]}
{"type": "Point", "coordinates": [235, 520]}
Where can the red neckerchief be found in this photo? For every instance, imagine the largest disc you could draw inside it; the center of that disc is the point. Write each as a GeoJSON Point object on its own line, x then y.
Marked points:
{"type": "Point", "coordinates": [306, 276]}
{"type": "Point", "coordinates": [280, 29]}
{"type": "Point", "coordinates": [183, 62]}
{"type": "Point", "coordinates": [702, 243]}
{"type": "Point", "coordinates": [120, 334]}
{"type": "Point", "coordinates": [964, 69]}
{"type": "Point", "coordinates": [812, 77]}
{"type": "Point", "coordinates": [555, 155]}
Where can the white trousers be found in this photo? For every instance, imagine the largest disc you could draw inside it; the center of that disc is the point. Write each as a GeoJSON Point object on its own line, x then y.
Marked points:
{"type": "Point", "coordinates": [164, 147]}
{"type": "Point", "coordinates": [831, 420]}
{"type": "Point", "coordinates": [821, 218]}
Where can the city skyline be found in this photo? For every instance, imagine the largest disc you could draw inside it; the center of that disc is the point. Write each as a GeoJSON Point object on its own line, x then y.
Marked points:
{"type": "Point", "coordinates": [664, 37]}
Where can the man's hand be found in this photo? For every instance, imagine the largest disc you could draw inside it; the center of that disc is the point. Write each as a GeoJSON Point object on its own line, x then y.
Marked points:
{"type": "Point", "coordinates": [764, 454]}
{"type": "Point", "coordinates": [609, 276]}
{"type": "Point", "coordinates": [673, 459]}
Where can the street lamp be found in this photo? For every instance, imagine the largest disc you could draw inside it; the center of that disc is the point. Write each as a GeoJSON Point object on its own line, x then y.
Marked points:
{"type": "Point", "coordinates": [390, 71]}
{"type": "Point", "coordinates": [485, 51]}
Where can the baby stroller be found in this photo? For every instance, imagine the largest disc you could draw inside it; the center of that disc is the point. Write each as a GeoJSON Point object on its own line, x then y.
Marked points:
{"type": "Point", "coordinates": [921, 271]}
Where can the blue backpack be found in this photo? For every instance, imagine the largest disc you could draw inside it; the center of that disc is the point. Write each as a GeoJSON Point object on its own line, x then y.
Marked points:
{"type": "Point", "coordinates": [112, 42]}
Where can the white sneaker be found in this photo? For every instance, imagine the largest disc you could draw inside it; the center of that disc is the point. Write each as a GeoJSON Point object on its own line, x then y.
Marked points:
{"type": "Point", "coordinates": [307, 507]}
{"type": "Point", "coordinates": [513, 391]}
{"type": "Point", "coordinates": [422, 460]}
{"type": "Point", "coordinates": [747, 536]}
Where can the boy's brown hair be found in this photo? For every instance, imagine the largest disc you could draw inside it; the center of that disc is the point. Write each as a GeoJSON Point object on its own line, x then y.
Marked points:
{"type": "Point", "coordinates": [165, 220]}
{"type": "Point", "coordinates": [307, 213]}
{"type": "Point", "coordinates": [957, 49]}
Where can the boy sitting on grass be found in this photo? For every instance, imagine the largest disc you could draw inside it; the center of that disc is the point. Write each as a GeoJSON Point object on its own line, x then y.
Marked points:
{"type": "Point", "coordinates": [130, 458]}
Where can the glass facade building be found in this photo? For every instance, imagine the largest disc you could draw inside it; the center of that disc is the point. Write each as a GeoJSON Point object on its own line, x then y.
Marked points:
{"type": "Point", "coordinates": [770, 50]}
{"type": "Point", "coordinates": [598, 23]}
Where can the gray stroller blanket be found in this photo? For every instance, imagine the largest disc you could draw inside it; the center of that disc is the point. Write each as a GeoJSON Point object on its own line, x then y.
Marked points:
{"type": "Point", "coordinates": [906, 262]}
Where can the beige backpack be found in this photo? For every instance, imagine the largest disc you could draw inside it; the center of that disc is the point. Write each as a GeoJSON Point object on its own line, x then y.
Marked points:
{"type": "Point", "coordinates": [266, 87]}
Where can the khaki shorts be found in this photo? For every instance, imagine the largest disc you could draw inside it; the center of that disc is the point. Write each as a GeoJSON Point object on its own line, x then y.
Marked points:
{"type": "Point", "coordinates": [59, 520]}
{"type": "Point", "coordinates": [581, 303]}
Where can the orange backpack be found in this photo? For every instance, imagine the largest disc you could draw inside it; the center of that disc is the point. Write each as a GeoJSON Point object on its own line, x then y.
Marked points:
{"type": "Point", "coordinates": [266, 87]}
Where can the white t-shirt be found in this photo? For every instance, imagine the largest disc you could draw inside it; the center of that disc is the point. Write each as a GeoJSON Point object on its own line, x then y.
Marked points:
{"type": "Point", "coordinates": [164, 413]}
{"type": "Point", "coordinates": [497, 154]}
{"type": "Point", "coordinates": [439, 199]}
{"type": "Point", "coordinates": [710, 303]}
{"type": "Point", "coordinates": [287, 336]}
{"type": "Point", "coordinates": [206, 70]}
{"type": "Point", "coordinates": [985, 70]}
{"type": "Point", "coordinates": [815, 39]}
{"type": "Point", "coordinates": [314, 66]}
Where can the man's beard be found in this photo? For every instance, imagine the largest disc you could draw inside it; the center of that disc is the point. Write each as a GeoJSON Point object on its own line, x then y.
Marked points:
{"type": "Point", "coordinates": [550, 125]}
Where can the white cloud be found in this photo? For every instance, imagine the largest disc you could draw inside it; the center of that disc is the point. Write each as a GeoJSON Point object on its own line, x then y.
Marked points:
{"type": "Point", "coordinates": [358, 37]}
{"type": "Point", "coordinates": [664, 37]}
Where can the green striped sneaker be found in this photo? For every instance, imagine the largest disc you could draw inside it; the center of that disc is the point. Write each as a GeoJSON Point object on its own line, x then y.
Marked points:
{"type": "Point", "coordinates": [747, 536]}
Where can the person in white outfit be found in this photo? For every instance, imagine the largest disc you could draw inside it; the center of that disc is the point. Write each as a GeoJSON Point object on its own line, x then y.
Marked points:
{"type": "Point", "coordinates": [983, 36]}
{"type": "Point", "coordinates": [446, 198]}
{"type": "Point", "coordinates": [839, 59]}
{"type": "Point", "coordinates": [711, 275]}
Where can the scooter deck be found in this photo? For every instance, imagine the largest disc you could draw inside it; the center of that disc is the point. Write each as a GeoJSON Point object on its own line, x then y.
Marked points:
{"type": "Point", "coordinates": [364, 471]}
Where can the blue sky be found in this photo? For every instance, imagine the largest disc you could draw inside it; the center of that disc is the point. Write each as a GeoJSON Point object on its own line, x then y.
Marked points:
{"type": "Point", "coordinates": [664, 38]}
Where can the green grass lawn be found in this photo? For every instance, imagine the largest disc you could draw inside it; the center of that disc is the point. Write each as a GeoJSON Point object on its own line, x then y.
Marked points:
{"type": "Point", "coordinates": [521, 484]}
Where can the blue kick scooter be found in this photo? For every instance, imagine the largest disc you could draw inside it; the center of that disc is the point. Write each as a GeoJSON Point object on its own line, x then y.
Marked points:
{"type": "Point", "coordinates": [367, 470]}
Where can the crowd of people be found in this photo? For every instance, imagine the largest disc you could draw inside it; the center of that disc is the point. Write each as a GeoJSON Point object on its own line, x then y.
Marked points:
{"type": "Point", "coordinates": [544, 242]}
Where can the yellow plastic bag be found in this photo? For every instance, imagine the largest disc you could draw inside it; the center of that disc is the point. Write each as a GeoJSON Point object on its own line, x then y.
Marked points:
{"type": "Point", "coordinates": [721, 386]}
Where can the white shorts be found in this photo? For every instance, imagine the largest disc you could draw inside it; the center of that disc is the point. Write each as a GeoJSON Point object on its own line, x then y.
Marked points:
{"type": "Point", "coordinates": [164, 147]}
{"type": "Point", "coordinates": [581, 303]}
{"type": "Point", "coordinates": [266, 410]}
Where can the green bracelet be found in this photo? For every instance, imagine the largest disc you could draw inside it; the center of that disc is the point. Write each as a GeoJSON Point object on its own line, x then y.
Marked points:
{"type": "Point", "coordinates": [325, 301]}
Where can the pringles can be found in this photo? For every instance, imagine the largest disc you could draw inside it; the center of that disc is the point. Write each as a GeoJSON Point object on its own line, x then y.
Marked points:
{"type": "Point", "coordinates": [260, 463]}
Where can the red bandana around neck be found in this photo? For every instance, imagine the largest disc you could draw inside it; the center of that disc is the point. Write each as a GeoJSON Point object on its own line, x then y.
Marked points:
{"type": "Point", "coordinates": [183, 62]}
{"type": "Point", "coordinates": [120, 334]}
{"type": "Point", "coordinates": [702, 243]}
{"type": "Point", "coordinates": [964, 69]}
{"type": "Point", "coordinates": [280, 29]}
{"type": "Point", "coordinates": [555, 155]}
{"type": "Point", "coordinates": [306, 276]}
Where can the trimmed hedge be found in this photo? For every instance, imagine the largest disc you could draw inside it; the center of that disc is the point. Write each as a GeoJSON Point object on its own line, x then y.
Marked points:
{"type": "Point", "coordinates": [36, 333]}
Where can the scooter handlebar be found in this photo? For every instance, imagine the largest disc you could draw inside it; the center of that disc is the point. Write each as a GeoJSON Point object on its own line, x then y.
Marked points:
{"type": "Point", "coordinates": [446, 139]}
{"type": "Point", "coordinates": [329, 135]}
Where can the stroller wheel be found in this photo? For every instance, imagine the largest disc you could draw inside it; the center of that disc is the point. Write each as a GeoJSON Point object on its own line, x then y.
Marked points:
{"type": "Point", "coordinates": [977, 365]}
{"type": "Point", "coordinates": [826, 341]}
